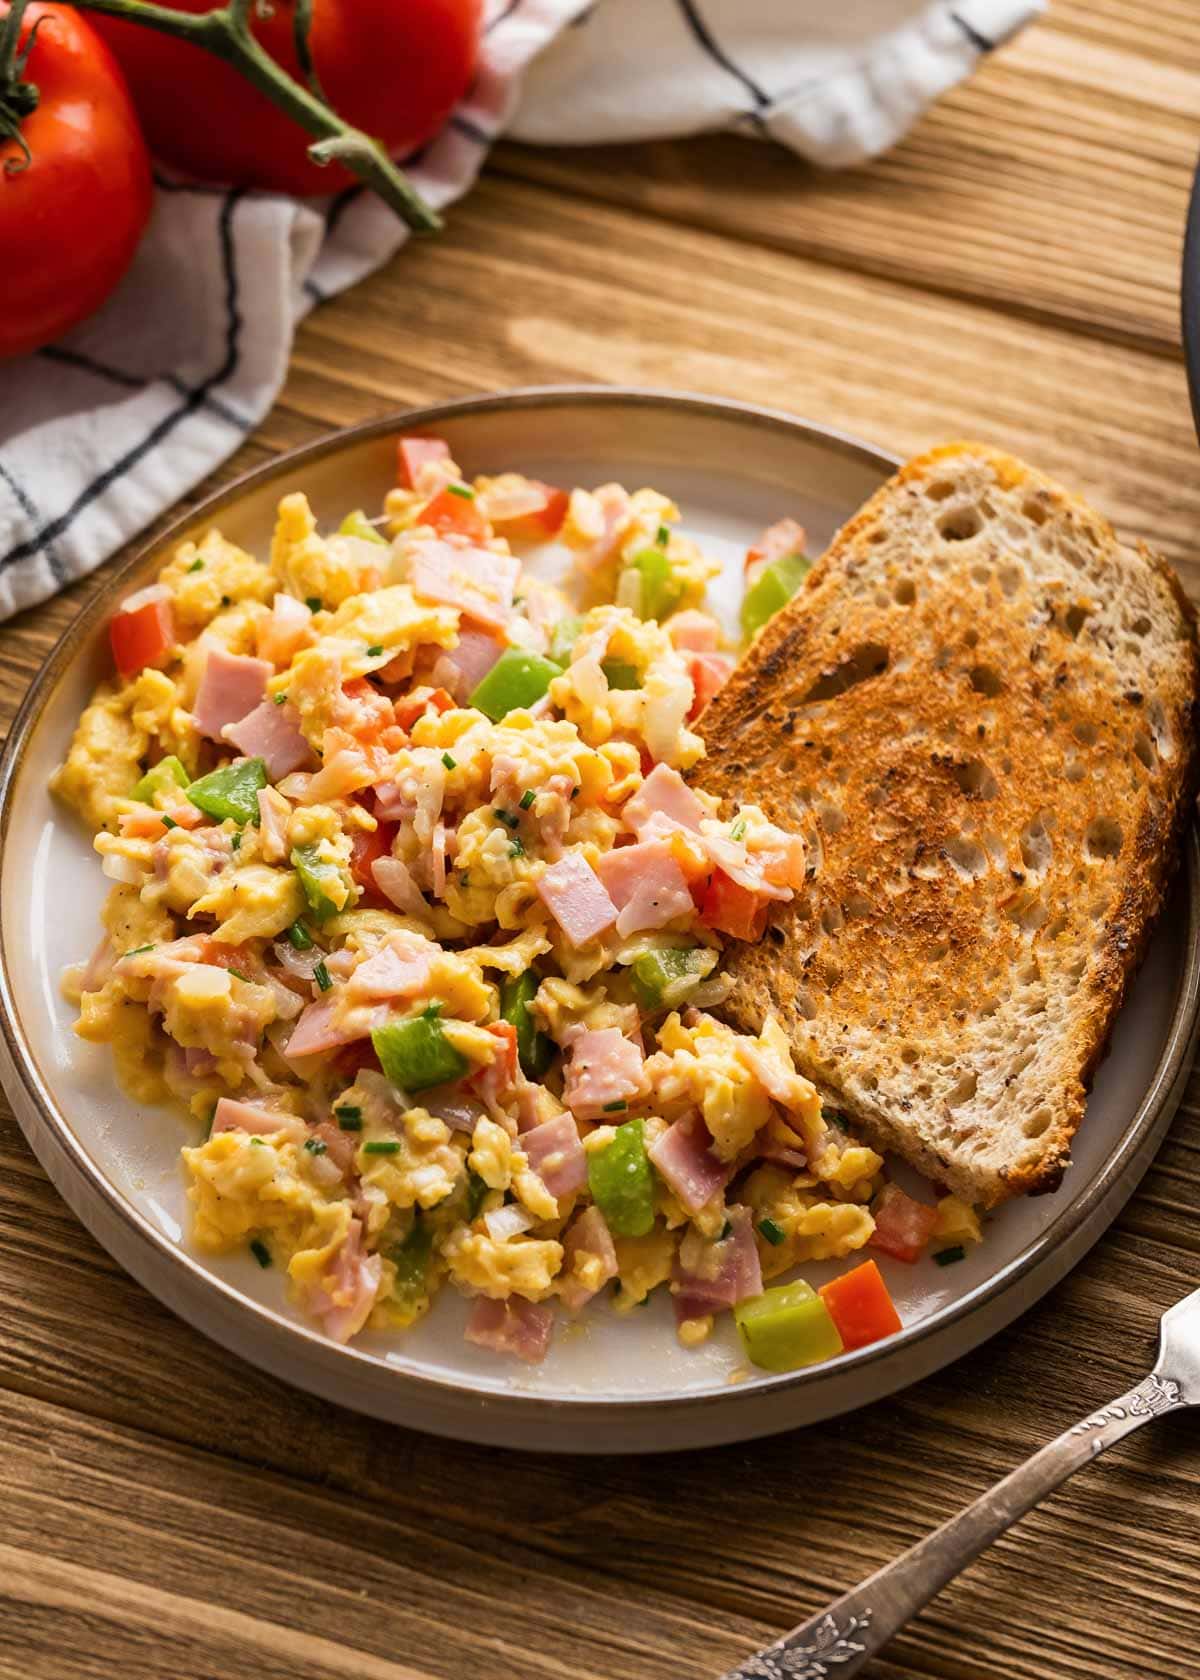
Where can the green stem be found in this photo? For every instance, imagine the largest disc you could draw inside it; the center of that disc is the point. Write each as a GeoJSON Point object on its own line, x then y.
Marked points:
{"type": "Point", "coordinates": [227, 34]}
{"type": "Point", "coordinates": [17, 98]}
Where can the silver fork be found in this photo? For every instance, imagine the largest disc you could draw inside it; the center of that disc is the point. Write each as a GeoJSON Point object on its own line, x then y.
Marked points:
{"type": "Point", "coordinates": [837, 1642]}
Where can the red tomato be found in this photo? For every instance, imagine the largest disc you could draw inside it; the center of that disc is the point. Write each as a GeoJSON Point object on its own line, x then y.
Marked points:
{"type": "Point", "coordinates": [709, 673]}
{"type": "Point", "coordinates": [453, 515]}
{"type": "Point", "coordinates": [413, 453]}
{"type": "Point", "coordinates": [860, 1306]}
{"type": "Point", "coordinates": [71, 219]}
{"type": "Point", "coordinates": [365, 849]}
{"type": "Point", "coordinates": [420, 701]}
{"type": "Point", "coordinates": [733, 909]}
{"type": "Point", "coordinates": [393, 68]}
{"type": "Point", "coordinates": [902, 1226]}
{"type": "Point", "coordinates": [784, 537]}
{"type": "Point", "coordinates": [142, 633]}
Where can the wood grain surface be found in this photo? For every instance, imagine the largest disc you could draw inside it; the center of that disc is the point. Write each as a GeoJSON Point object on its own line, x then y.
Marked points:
{"type": "Point", "coordinates": [170, 1514]}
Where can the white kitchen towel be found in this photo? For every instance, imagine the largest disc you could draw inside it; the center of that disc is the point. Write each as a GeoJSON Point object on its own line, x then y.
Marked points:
{"type": "Point", "coordinates": [100, 433]}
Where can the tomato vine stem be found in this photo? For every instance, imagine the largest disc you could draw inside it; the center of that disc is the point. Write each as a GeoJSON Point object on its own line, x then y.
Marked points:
{"type": "Point", "coordinates": [227, 34]}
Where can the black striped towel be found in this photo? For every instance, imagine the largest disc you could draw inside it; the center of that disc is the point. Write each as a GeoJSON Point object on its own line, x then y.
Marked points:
{"type": "Point", "coordinates": [102, 432]}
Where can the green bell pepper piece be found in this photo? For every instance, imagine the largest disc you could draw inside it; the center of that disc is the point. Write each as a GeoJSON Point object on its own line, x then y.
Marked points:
{"type": "Point", "coordinates": [663, 978]}
{"type": "Point", "coordinates": [535, 1050]}
{"type": "Point", "coordinates": [411, 1260]}
{"type": "Point", "coordinates": [661, 589]}
{"type": "Point", "coordinates": [316, 873]}
{"type": "Point", "coordinates": [516, 679]}
{"type": "Point", "coordinates": [231, 792]}
{"type": "Point", "coordinates": [563, 638]}
{"type": "Point", "coordinates": [167, 773]}
{"type": "Point", "coordinates": [620, 674]}
{"type": "Point", "coordinates": [357, 524]}
{"type": "Point", "coordinates": [772, 589]}
{"type": "Point", "coordinates": [783, 1329]}
{"type": "Point", "coordinates": [621, 1182]}
{"type": "Point", "coordinates": [415, 1053]}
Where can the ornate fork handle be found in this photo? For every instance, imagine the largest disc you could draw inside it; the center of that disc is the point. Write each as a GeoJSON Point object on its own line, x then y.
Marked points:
{"type": "Point", "coordinates": [839, 1640]}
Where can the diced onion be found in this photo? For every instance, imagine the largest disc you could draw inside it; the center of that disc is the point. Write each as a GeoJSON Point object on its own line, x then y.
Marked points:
{"type": "Point", "coordinates": [122, 869]}
{"type": "Point", "coordinates": [505, 1222]}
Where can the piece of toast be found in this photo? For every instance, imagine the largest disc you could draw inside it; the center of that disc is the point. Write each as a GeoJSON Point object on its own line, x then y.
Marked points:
{"type": "Point", "coordinates": [981, 711]}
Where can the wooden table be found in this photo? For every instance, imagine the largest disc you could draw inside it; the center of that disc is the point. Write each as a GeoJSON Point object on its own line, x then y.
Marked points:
{"type": "Point", "coordinates": [1010, 272]}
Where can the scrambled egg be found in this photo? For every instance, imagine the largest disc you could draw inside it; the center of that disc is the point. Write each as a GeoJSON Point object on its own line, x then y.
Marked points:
{"type": "Point", "coordinates": [437, 974]}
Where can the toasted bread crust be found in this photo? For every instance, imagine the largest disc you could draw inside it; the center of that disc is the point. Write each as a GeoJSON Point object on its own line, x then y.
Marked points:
{"type": "Point", "coordinates": [982, 710]}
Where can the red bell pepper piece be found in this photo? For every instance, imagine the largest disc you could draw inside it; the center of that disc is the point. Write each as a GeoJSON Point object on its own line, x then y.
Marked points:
{"type": "Point", "coordinates": [454, 515]}
{"type": "Point", "coordinates": [142, 633]}
{"type": "Point", "coordinates": [366, 847]}
{"type": "Point", "coordinates": [860, 1305]}
{"type": "Point", "coordinates": [731, 908]}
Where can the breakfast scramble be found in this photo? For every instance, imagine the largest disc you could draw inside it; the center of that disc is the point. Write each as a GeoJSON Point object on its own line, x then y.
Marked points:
{"type": "Point", "coordinates": [418, 905]}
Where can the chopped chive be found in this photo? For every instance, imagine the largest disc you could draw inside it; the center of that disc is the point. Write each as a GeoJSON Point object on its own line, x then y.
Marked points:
{"type": "Point", "coordinates": [280, 699]}
{"type": "Point", "coordinates": [726, 1230]}
{"type": "Point", "coordinates": [450, 763]}
{"type": "Point", "coordinates": [313, 603]}
{"type": "Point", "coordinates": [315, 1146]}
{"type": "Point", "coordinates": [464, 878]}
{"type": "Point", "coordinates": [261, 1253]}
{"type": "Point", "coordinates": [381, 1146]}
{"type": "Point", "coordinates": [235, 843]}
{"type": "Point", "coordinates": [737, 832]}
{"type": "Point", "coordinates": [773, 1233]}
{"type": "Point", "coordinates": [662, 536]}
{"type": "Point", "coordinates": [575, 792]}
{"type": "Point", "coordinates": [616, 1107]}
{"type": "Point", "coordinates": [516, 847]}
{"type": "Point", "coordinates": [375, 649]}
{"type": "Point", "coordinates": [349, 1118]}
{"type": "Point", "coordinates": [257, 1143]}
{"type": "Point", "coordinates": [950, 1256]}
{"type": "Point", "coordinates": [834, 1117]}
{"type": "Point", "coordinates": [506, 817]}
{"type": "Point", "coordinates": [227, 600]}
{"type": "Point", "coordinates": [299, 937]}
{"type": "Point", "coordinates": [238, 975]}
{"type": "Point", "coordinates": [138, 949]}
{"type": "Point", "coordinates": [463, 490]}
{"type": "Point", "coordinates": [321, 976]}
{"type": "Point", "coordinates": [169, 822]}
{"type": "Point", "coordinates": [527, 799]}
{"type": "Point", "coordinates": [196, 566]}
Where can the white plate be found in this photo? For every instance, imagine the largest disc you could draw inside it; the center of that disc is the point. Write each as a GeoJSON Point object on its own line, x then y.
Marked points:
{"type": "Point", "coordinates": [610, 1382]}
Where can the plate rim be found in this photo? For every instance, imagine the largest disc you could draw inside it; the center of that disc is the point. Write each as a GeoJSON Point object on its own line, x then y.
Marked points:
{"type": "Point", "coordinates": [1139, 1142]}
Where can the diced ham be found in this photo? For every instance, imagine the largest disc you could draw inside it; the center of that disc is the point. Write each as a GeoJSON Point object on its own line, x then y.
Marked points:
{"type": "Point", "coordinates": [231, 686]}
{"type": "Point", "coordinates": [341, 1147]}
{"type": "Point", "coordinates": [288, 629]}
{"type": "Point", "coordinates": [589, 1259]}
{"type": "Point", "coordinates": [604, 1068]}
{"type": "Point", "coordinates": [903, 1226]}
{"type": "Point", "coordinates": [721, 1274]}
{"type": "Point", "coordinates": [416, 455]}
{"type": "Point", "coordinates": [476, 581]}
{"type": "Point", "coordinates": [784, 537]}
{"type": "Point", "coordinates": [346, 767]}
{"type": "Point", "coordinates": [698, 632]}
{"type": "Point", "coordinates": [272, 733]}
{"type": "Point", "coordinates": [496, 1078]}
{"type": "Point", "coordinates": [348, 1289]}
{"type": "Point", "coordinates": [684, 1157]}
{"type": "Point", "coordinates": [556, 1155]}
{"type": "Point", "coordinates": [398, 969]}
{"type": "Point", "coordinates": [646, 884]}
{"type": "Point", "coordinates": [273, 814]}
{"type": "Point", "coordinates": [466, 664]}
{"type": "Point", "coordinates": [395, 882]}
{"type": "Point", "coordinates": [781, 1082]}
{"type": "Point", "coordinates": [515, 1326]}
{"type": "Point", "coordinates": [574, 895]}
{"type": "Point", "coordinates": [233, 1116]}
{"type": "Point", "coordinates": [663, 795]}
{"type": "Point", "coordinates": [318, 1030]}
